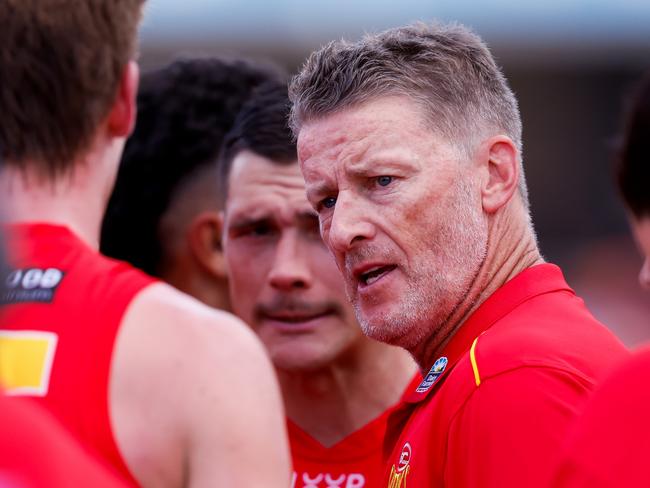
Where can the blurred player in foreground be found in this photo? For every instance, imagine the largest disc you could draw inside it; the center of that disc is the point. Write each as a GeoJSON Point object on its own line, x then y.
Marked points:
{"type": "Point", "coordinates": [610, 446]}
{"type": "Point", "coordinates": [338, 386]}
{"type": "Point", "coordinates": [163, 216]}
{"type": "Point", "coordinates": [126, 363]}
{"type": "Point", "coordinates": [35, 450]}
{"type": "Point", "coordinates": [409, 142]}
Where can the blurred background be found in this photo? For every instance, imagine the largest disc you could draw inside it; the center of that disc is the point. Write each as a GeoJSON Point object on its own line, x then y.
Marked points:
{"type": "Point", "coordinates": [569, 62]}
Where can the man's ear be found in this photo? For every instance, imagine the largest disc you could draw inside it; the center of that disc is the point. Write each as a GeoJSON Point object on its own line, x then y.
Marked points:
{"type": "Point", "coordinates": [121, 118]}
{"type": "Point", "coordinates": [500, 157]}
{"type": "Point", "coordinates": [204, 239]}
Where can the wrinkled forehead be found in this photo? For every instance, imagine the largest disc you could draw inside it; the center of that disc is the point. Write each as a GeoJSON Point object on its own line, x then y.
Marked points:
{"type": "Point", "coordinates": [379, 123]}
{"type": "Point", "coordinates": [258, 185]}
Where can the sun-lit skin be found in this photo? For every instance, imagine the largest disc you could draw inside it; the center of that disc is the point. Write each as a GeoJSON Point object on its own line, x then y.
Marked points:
{"type": "Point", "coordinates": [392, 194]}
{"type": "Point", "coordinates": [641, 231]}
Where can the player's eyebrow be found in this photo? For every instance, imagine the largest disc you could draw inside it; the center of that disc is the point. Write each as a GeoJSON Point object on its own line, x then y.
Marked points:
{"type": "Point", "coordinates": [243, 221]}
{"type": "Point", "coordinates": [317, 190]}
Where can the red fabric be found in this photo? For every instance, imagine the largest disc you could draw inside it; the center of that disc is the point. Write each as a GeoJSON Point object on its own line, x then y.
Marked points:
{"type": "Point", "coordinates": [610, 443]}
{"type": "Point", "coordinates": [85, 314]}
{"type": "Point", "coordinates": [354, 462]}
{"type": "Point", "coordinates": [539, 353]}
{"type": "Point", "coordinates": [36, 452]}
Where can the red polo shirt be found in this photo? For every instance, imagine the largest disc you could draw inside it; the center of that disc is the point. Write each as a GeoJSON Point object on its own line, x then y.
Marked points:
{"type": "Point", "coordinates": [495, 408]}
{"type": "Point", "coordinates": [610, 444]}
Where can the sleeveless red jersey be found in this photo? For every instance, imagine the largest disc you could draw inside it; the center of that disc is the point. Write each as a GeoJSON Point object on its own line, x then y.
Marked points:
{"type": "Point", "coordinates": [354, 462]}
{"type": "Point", "coordinates": [36, 452]}
{"type": "Point", "coordinates": [63, 305]}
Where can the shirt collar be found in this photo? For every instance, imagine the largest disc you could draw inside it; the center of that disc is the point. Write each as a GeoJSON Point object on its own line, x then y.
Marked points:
{"type": "Point", "coordinates": [533, 281]}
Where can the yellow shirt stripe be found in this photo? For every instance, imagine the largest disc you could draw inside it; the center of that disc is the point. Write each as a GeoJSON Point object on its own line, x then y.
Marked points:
{"type": "Point", "coordinates": [472, 357]}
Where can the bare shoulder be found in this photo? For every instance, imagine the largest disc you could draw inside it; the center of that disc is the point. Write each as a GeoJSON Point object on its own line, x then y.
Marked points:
{"type": "Point", "coordinates": [162, 313]}
{"type": "Point", "coordinates": [180, 382]}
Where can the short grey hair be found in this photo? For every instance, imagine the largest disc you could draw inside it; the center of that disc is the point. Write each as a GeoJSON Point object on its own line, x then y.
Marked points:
{"type": "Point", "coordinates": [445, 68]}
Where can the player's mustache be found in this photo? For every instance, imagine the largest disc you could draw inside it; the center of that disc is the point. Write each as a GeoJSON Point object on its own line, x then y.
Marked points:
{"type": "Point", "coordinates": [282, 304]}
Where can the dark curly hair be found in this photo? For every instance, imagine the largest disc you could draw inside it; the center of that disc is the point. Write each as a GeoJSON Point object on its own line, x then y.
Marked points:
{"type": "Point", "coordinates": [634, 153]}
{"type": "Point", "coordinates": [262, 127]}
{"type": "Point", "coordinates": [184, 111]}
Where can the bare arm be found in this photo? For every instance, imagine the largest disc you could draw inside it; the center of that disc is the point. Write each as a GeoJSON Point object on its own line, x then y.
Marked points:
{"type": "Point", "coordinates": [194, 399]}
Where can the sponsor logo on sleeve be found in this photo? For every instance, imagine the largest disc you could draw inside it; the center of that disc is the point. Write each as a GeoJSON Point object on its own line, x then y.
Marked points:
{"type": "Point", "coordinates": [30, 285]}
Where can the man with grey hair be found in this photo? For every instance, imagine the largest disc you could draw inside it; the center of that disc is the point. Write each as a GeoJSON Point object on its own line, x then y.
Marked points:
{"type": "Point", "coordinates": [410, 145]}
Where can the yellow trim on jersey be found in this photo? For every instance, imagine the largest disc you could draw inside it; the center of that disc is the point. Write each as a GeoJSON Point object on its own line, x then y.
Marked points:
{"type": "Point", "coordinates": [26, 358]}
{"type": "Point", "coordinates": [472, 358]}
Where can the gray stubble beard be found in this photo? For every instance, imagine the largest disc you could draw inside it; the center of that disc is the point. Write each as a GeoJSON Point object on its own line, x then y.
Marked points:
{"type": "Point", "coordinates": [432, 296]}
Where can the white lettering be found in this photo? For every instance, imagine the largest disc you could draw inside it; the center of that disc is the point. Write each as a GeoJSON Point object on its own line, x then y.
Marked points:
{"type": "Point", "coordinates": [311, 482]}
{"type": "Point", "coordinates": [14, 278]}
{"type": "Point", "coordinates": [334, 483]}
{"type": "Point", "coordinates": [355, 480]}
{"type": "Point", "coordinates": [51, 278]}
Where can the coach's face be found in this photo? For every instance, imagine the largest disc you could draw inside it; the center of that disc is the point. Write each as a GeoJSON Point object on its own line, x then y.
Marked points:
{"type": "Point", "coordinates": [641, 230]}
{"type": "Point", "coordinates": [401, 212]}
{"type": "Point", "coordinates": [283, 280]}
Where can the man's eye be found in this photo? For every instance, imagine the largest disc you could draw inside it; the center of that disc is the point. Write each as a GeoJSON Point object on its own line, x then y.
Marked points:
{"type": "Point", "coordinates": [260, 230]}
{"type": "Point", "coordinates": [253, 230]}
{"type": "Point", "coordinates": [384, 180]}
{"type": "Point", "coordinates": [328, 202]}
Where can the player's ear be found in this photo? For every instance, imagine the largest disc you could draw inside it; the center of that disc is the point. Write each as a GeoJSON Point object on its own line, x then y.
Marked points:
{"type": "Point", "coordinates": [121, 118]}
{"type": "Point", "coordinates": [204, 237]}
{"type": "Point", "coordinates": [499, 158]}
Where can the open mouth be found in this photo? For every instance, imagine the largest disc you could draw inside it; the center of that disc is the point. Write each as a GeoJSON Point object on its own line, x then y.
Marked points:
{"type": "Point", "coordinates": [374, 274]}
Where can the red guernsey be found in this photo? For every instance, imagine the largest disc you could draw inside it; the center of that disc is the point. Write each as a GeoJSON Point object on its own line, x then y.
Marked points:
{"type": "Point", "coordinates": [36, 452]}
{"type": "Point", "coordinates": [354, 462]}
{"type": "Point", "coordinates": [63, 305]}
{"type": "Point", "coordinates": [496, 405]}
{"type": "Point", "coordinates": [610, 445]}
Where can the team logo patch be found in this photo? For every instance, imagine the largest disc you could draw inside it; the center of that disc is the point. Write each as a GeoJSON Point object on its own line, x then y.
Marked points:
{"type": "Point", "coordinates": [30, 285]}
{"type": "Point", "coordinates": [399, 472]}
{"type": "Point", "coordinates": [432, 376]}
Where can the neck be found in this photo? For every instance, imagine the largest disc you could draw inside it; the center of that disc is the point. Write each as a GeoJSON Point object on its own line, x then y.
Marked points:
{"type": "Point", "coordinates": [511, 248]}
{"type": "Point", "coordinates": [340, 398]}
{"type": "Point", "coordinates": [76, 199]}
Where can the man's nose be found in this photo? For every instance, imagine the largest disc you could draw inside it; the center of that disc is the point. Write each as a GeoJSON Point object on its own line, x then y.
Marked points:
{"type": "Point", "coordinates": [290, 269]}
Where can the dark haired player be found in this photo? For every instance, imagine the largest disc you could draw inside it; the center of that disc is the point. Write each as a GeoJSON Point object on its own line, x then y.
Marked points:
{"type": "Point", "coordinates": [162, 216]}
{"type": "Point", "coordinates": [338, 386]}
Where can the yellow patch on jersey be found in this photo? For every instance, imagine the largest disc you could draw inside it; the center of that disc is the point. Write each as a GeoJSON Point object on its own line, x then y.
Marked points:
{"type": "Point", "coordinates": [26, 358]}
